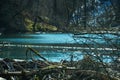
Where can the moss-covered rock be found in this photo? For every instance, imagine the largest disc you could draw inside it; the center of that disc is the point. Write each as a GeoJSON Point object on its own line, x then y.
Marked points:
{"type": "Point", "coordinates": [40, 26]}
{"type": "Point", "coordinates": [46, 27]}
{"type": "Point", "coordinates": [29, 24]}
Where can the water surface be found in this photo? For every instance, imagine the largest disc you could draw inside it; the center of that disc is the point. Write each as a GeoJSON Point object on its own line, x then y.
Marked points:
{"type": "Point", "coordinates": [56, 54]}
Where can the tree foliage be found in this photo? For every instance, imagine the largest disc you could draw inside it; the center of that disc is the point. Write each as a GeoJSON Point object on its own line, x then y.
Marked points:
{"type": "Point", "coordinates": [61, 13]}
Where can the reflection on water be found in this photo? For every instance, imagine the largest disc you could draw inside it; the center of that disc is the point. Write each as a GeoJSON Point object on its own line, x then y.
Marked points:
{"type": "Point", "coordinates": [51, 55]}
{"type": "Point", "coordinates": [54, 54]}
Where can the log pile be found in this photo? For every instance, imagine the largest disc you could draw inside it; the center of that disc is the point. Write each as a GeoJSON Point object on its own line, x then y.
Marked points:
{"type": "Point", "coordinates": [44, 70]}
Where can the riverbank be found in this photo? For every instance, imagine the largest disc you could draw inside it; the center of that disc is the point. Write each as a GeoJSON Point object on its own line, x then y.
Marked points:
{"type": "Point", "coordinates": [94, 30]}
{"type": "Point", "coordinates": [36, 69]}
{"type": "Point", "coordinates": [69, 29]}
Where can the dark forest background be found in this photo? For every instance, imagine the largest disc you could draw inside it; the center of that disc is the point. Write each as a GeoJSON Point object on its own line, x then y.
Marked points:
{"type": "Point", "coordinates": [58, 15]}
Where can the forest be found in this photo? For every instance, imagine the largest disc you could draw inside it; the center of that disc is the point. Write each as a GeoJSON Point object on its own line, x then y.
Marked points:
{"type": "Point", "coordinates": [60, 40]}
{"type": "Point", "coordinates": [61, 16]}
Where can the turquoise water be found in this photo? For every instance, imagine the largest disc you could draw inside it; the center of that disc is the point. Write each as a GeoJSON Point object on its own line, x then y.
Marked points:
{"type": "Point", "coordinates": [56, 54]}
{"type": "Point", "coordinates": [38, 38]}
{"type": "Point", "coordinates": [59, 38]}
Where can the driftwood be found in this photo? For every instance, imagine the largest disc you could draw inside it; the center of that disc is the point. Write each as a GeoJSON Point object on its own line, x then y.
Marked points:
{"type": "Point", "coordinates": [38, 54]}
{"type": "Point", "coordinates": [89, 74]}
{"type": "Point", "coordinates": [19, 73]}
{"type": "Point", "coordinates": [45, 70]}
{"type": "Point", "coordinates": [75, 74]}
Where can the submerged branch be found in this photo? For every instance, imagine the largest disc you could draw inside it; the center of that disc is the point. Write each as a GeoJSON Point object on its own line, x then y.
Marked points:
{"type": "Point", "coordinates": [39, 55]}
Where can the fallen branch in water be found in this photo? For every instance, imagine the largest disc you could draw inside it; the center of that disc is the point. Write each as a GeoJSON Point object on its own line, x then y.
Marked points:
{"type": "Point", "coordinates": [39, 55]}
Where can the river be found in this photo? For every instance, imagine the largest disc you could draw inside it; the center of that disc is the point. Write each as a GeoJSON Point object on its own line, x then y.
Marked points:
{"type": "Point", "coordinates": [59, 46]}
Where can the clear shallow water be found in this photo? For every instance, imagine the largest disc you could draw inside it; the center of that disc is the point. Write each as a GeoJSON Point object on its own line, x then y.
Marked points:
{"type": "Point", "coordinates": [54, 54]}
{"type": "Point", "coordinates": [50, 55]}
{"type": "Point", "coordinates": [58, 38]}
{"type": "Point", "coordinates": [38, 38]}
